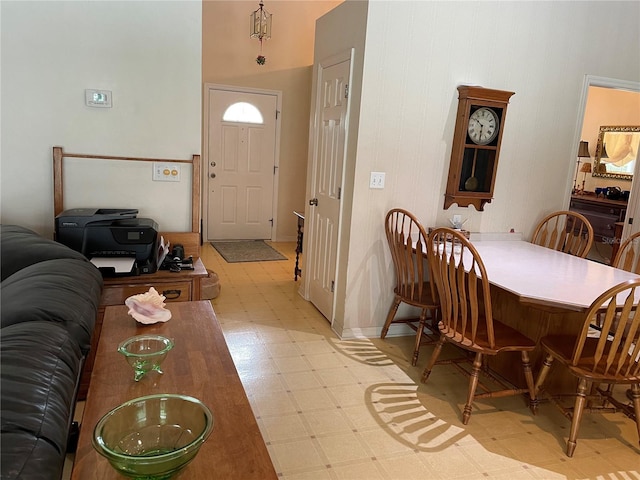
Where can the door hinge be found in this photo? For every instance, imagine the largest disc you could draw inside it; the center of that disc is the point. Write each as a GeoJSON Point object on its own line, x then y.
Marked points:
{"type": "Point", "coordinates": [275, 167]}
{"type": "Point", "coordinates": [339, 192]}
{"type": "Point", "coordinates": [346, 91]}
{"type": "Point", "coordinates": [333, 285]}
{"type": "Point", "coordinates": [277, 114]}
{"type": "Point", "coordinates": [631, 221]}
{"type": "Point", "coordinates": [271, 220]}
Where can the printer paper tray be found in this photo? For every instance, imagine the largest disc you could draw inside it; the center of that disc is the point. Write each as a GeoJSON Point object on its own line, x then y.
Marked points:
{"type": "Point", "coordinates": [116, 266]}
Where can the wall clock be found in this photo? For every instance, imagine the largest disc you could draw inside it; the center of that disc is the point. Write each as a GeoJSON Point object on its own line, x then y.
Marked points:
{"type": "Point", "coordinates": [476, 146]}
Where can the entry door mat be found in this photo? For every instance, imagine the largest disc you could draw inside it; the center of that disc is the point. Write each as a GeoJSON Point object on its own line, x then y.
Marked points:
{"type": "Point", "coordinates": [236, 251]}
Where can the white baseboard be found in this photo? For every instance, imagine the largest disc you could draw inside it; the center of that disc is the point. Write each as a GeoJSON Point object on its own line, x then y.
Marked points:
{"type": "Point", "coordinates": [374, 332]}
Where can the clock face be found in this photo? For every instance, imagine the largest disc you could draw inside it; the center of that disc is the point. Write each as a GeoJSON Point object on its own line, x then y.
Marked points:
{"type": "Point", "coordinates": [483, 126]}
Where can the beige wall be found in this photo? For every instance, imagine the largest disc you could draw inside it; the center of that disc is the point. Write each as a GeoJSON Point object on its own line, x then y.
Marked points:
{"type": "Point", "coordinates": [606, 106]}
{"type": "Point", "coordinates": [228, 58]}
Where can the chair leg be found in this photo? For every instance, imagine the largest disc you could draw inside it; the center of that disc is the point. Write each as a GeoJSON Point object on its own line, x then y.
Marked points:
{"type": "Point", "coordinates": [635, 398]}
{"type": "Point", "coordinates": [421, 324]}
{"type": "Point", "coordinates": [581, 395]}
{"type": "Point", "coordinates": [473, 384]}
{"type": "Point", "coordinates": [528, 375]}
{"type": "Point", "coordinates": [433, 359]}
{"type": "Point", "coordinates": [392, 313]}
{"type": "Point", "coordinates": [542, 375]}
{"type": "Point", "coordinates": [434, 320]}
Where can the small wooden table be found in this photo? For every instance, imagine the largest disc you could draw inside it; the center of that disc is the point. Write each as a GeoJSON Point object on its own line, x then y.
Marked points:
{"type": "Point", "coordinates": [200, 366]}
{"type": "Point", "coordinates": [297, 271]}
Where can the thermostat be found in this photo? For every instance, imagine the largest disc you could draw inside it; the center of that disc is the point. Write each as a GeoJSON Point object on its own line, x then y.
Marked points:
{"type": "Point", "coordinates": [97, 98]}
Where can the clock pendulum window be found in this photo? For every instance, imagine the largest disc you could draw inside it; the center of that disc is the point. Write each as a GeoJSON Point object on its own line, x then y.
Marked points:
{"type": "Point", "coordinates": [476, 146]}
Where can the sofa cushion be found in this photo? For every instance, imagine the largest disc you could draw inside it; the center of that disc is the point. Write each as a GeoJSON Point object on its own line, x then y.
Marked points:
{"type": "Point", "coordinates": [40, 367]}
{"type": "Point", "coordinates": [63, 291]}
{"type": "Point", "coordinates": [22, 247]}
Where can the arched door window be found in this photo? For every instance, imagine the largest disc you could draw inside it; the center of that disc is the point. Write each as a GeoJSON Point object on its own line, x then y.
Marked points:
{"type": "Point", "coordinates": [242, 112]}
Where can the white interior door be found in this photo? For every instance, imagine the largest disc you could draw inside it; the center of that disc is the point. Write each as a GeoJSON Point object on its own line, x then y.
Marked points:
{"type": "Point", "coordinates": [329, 144]}
{"type": "Point", "coordinates": [241, 164]}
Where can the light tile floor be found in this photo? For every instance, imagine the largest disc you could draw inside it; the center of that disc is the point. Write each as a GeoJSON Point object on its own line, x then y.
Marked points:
{"type": "Point", "coordinates": [355, 409]}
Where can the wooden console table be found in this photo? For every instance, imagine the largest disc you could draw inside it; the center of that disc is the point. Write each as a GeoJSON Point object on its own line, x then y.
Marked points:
{"type": "Point", "coordinates": [200, 366]}
{"type": "Point", "coordinates": [180, 286]}
{"type": "Point", "coordinates": [297, 271]}
{"type": "Point", "coordinates": [603, 214]}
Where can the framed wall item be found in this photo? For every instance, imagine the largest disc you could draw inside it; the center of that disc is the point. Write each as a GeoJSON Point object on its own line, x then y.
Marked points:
{"type": "Point", "coordinates": [616, 152]}
{"type": "Point", "coordinates": [476, 146]}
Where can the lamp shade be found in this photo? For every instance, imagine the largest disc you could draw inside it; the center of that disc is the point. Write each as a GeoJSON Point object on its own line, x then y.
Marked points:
{"type": "Point", "coordinates": [583, 149]}
{"type": "Point", "coordinates": [586, 167]}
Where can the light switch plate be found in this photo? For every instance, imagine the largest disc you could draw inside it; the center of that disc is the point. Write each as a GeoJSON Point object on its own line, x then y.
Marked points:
{"type": "Point", "coordinates": [377, 180]}
{"type": "Point", "coordinates": [166, 172]}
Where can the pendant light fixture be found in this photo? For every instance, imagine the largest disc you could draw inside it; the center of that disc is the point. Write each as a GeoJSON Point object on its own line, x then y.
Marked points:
{"type": "Point", "coordinates": [260, 28]}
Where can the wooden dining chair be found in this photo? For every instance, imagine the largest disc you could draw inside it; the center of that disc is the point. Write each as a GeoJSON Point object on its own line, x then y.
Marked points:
{"type": "Point", "coordinates": [628, 256]}
{"type": "Point", "coordinates": [467, 318]}
{"type": "Point", "coordinates": [407, 241]}
{"type": "Point", "coordinates": [608, 359]}
{"type": "Point", "coordinates": [565, 231]}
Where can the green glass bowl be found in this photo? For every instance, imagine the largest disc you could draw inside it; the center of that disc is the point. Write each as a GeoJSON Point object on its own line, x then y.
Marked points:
{"type": "Point", "coordinates": [145, 353]}
{"type": "Point", "coordinates": [153, 437]}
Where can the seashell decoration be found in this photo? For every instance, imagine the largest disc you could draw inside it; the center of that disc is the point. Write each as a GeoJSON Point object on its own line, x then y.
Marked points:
{"type": "Point", "coordinates": [148, 307]}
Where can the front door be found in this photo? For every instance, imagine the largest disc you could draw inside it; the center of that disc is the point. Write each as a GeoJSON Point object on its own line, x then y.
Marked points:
{"type": "Point", "coordinates": [329, 144]}
{"type": "Point", "coordinates": [241, 164]}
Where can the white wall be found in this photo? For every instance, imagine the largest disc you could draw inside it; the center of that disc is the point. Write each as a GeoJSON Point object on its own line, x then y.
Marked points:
{"type": "Point", "coordinates": [148, 53]}
{"type": "Point", "coordinates": [416, 54]}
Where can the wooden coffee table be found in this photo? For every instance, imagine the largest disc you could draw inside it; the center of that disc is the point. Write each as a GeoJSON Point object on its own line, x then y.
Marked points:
{"type": "Point", "coordinates": [200, 366]}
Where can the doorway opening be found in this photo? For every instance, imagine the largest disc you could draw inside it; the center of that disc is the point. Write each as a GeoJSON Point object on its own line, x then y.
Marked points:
{"type": "Point", "coordinates": [607, 102]}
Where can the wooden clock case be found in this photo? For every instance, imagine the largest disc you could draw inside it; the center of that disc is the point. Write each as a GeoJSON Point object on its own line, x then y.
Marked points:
{"type": "Point", "coordinates": [473, 167]}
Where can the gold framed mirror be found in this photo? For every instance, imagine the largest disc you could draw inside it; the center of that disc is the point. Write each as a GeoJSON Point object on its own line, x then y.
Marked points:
{"type": "Point", "coordinates": [616, 152]}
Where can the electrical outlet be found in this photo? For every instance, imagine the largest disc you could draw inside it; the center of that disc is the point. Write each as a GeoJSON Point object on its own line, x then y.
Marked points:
{"type": "Point", "coordinates": [166, 172]}
{"type": "Point", "coordinates": [377, 180]}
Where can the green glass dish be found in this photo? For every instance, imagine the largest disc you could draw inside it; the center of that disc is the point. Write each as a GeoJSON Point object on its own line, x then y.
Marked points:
{"type": "Point", "coordinates": [153, 437]}
{"type": "Point", "coordinates": [145, 353]}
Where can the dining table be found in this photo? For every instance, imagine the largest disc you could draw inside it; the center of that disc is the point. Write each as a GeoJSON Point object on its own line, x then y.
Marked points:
{"type": "Point", "coordinates": [541, 291]}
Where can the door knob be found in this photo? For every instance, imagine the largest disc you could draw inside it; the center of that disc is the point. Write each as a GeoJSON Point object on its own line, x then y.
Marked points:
{"type": "Point", "coordinates": [212, 175]}
{"type": "Point", "coordinates": [313, 202]}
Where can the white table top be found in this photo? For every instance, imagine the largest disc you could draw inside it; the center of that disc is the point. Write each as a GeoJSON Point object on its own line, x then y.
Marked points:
{"type": "Point", "coordinates": [539, 275]}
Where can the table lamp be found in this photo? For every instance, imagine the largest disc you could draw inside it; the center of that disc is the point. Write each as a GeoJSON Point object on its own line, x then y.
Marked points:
{"type": "Point", "coordinates": [583, 152]}
{"type": "Point", "coordinates": [586, 168]}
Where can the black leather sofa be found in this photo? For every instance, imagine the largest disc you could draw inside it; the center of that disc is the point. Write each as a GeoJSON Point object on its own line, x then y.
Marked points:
{"type": "Point", "coordinates": [49, 297]}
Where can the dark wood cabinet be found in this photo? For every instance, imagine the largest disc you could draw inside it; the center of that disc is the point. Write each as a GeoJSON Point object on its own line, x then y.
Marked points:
{"type": "Point", "coordinates": [603, 214]}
